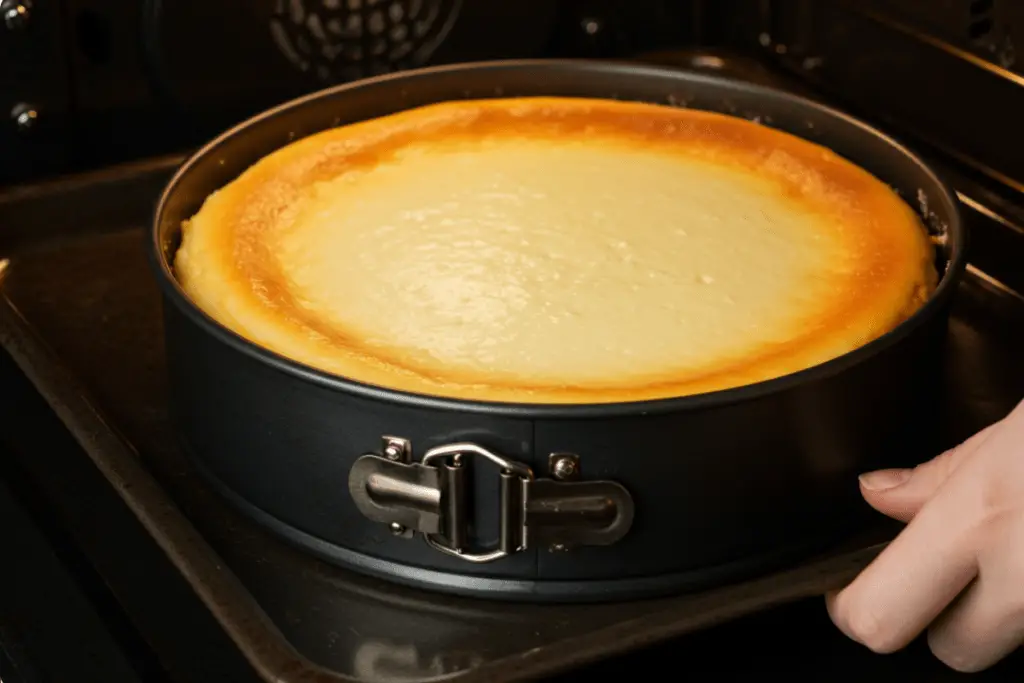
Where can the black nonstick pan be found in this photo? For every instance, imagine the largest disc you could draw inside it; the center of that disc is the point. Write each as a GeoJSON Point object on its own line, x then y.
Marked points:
{"type": "Point", "coordinates": [553, 502]}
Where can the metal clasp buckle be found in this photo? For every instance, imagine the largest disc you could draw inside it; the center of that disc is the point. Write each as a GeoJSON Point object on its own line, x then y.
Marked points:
{"type": "Point", "coordinates": [430, 497]}
{"type": "Point", "coordinates": [512, 531]}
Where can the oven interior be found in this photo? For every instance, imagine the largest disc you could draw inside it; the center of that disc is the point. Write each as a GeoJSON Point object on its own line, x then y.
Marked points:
{"type": "Point", "coordinates": [104, 97]}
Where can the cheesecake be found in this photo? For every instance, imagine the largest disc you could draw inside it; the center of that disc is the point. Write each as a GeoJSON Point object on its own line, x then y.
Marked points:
{"type": "Point", "coordinates": [556, 250]}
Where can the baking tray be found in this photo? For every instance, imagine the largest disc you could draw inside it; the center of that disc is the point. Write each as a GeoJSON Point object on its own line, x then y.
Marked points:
{"type": "Point", "coordinates": [79, 317]}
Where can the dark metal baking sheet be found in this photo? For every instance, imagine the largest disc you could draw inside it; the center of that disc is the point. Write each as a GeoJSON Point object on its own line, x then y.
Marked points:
{"type": "Point", "coordinates": [80, 318]}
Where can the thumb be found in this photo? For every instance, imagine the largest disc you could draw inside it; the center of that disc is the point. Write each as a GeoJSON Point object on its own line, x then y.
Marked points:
{"type": "Point", "coordinates": [900, 493]}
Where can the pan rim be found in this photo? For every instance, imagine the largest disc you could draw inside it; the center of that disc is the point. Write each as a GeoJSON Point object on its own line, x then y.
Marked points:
{"type": "Point", "coordinates": [955, 266]}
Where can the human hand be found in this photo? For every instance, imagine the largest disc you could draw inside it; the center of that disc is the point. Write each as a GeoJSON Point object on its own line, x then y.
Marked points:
{"type": "Point", "coordinates": [957, 569]}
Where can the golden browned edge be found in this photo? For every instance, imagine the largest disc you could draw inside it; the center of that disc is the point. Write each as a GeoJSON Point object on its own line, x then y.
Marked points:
{"type": "Point", "coordinates": [892, 247]}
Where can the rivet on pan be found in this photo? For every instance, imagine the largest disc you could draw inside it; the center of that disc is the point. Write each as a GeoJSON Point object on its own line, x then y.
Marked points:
{"type": "Point", "coordinates": [564, 466]}
{"type": "Point", "coordinates": [396, 449]}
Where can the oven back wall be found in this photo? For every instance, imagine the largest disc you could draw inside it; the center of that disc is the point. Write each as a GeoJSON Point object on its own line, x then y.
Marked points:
{"type": "Point", "coordinates": [108, 81]}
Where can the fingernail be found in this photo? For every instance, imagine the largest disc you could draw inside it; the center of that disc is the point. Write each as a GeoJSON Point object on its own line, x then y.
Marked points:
{"type": "Point", "coordinates": [883, 480]}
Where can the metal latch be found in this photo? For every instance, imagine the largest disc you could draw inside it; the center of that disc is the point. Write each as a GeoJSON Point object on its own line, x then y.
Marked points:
{"type": "Point", "coordinates": [431, 497]}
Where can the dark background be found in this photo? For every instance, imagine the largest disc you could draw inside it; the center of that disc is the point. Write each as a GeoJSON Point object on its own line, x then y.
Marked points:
{"type": "Point", "coordinates": [113, 80]}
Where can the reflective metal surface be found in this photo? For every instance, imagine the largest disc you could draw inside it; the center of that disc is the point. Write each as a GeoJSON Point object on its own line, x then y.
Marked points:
{"type": "Point", "coordinates": [16, 13]}
{"type": "Point", "coordinates": [430, 497]}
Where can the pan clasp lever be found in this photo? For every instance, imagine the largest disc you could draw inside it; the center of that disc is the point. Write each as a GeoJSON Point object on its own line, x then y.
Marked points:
{"type": "Point", "coordinates": [432, 498]}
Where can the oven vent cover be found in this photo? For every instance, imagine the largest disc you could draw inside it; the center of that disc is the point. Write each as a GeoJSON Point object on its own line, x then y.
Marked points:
{"type": "Point", "coordinates": [338, 40]}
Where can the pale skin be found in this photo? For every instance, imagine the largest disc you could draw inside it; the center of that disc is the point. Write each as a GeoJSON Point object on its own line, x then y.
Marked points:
{"type": "Point", "coordinates": [957, 569]}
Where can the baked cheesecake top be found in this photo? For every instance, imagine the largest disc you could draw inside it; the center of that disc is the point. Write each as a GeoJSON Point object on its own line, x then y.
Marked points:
{"type": "Point", "coordinates": [556, 250]}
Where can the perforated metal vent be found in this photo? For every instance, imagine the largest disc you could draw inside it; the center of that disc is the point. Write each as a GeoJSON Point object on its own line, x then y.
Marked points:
{"type": "Point", "coordinates": [344, 39]}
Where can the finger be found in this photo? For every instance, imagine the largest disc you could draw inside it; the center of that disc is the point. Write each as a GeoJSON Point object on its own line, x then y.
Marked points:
{"type": "Point", "coordinates": [987, 622]}
{"type": "Point", "coordinates": [901, 493]}
{"type": "Point", "coordinates": [913, 580]}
